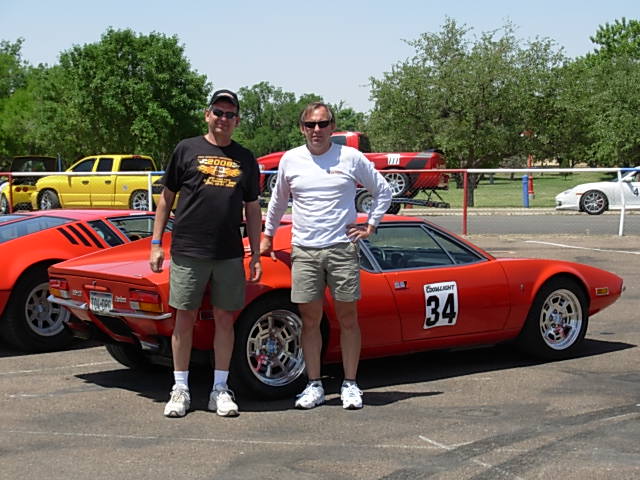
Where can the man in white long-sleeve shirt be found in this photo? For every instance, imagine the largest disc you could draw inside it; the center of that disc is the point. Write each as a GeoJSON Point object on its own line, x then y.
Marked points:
{"type": "Point", "coordinates": [321, 177]}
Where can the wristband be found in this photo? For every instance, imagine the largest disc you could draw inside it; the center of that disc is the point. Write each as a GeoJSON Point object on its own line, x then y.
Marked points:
{"type": "Point", "coordinates": [156, 242]}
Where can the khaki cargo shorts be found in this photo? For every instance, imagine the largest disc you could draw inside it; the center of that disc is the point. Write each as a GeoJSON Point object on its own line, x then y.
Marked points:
{"type": "Point", "coordinates": [189, 277]}
{"type": "Point", "coordinates": [314, 269]}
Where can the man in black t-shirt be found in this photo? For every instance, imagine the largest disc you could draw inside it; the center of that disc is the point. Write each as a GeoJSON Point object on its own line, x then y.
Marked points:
{"type": "Point", "coordinates": [216, 178]}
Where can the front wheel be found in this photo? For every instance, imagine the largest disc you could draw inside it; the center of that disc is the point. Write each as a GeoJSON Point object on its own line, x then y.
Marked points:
{"type": "Point", "coordinates": [139, 200]}
{"type": "Point", "coordinates": [31, 323]}
{"type": "Point", "coordinates": [4, 204]}
{"type": "Point", "coordinates": [267, 358]}
{"type": "Point", "coordinates": [557, 322]}
{"type": "Point", "coordinates": [594, 202]}
{"type": "Point", "coordinates": [364, 201]}
{"type": "Point", "coordinates": [48, 200]}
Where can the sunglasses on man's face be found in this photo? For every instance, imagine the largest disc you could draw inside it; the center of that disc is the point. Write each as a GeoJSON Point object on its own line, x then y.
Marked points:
{"type": "Point", "coordinates": [221, 113]}
{"type": "Point", "coordinates": [321, 124]}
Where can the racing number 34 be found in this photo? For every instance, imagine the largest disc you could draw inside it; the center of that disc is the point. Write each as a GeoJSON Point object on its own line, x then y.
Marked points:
{"type": "Point", "coordinates": [441, 304]}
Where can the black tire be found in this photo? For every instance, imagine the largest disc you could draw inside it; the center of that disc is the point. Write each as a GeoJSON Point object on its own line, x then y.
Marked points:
{"type": "Point", "coordinates": [594, 202]}
{"type": "Point", "coordinates": [139, 200]}
{"type": "Point", "coordinates": [4, 204]}
{"type": "Point", "coordinates": [30, 323]}
{"type": "Point", "coordinates": [48, 200]}
{"type": "Point", "coordinates": [557, 321]}
{"type": "Point", "coordinates": [364, 200]}
{"type": "Point", "coordinates": [270, 182]}
{"type": "Point", "coordinates": [129, 355]}
{"type": "Point", "coordinates": [267, 358]}
{"type": "Point", "coordinates": [399, 182]}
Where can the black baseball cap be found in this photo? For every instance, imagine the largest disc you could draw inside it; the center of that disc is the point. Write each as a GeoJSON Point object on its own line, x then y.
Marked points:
{"type": "Point", "coordinates": [227, 95]}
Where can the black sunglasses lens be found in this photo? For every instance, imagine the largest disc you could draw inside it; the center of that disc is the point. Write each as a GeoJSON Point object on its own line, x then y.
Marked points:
{"type": "Point", "coordinates": [322, 124]}
{"type": "Point", "coordinates": [220, 113]}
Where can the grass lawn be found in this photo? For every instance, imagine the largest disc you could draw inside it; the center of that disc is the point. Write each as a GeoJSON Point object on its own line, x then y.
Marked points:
{"type": "Point", "coordinates": [504, 192]}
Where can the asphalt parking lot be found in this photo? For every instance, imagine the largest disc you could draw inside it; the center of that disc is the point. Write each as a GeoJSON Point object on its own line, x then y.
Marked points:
{"type": "Point", "coordinates": [488, 413]}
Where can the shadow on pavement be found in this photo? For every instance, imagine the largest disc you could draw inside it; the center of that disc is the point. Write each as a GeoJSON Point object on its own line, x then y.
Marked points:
{"type": "Point", "coordinates": [378, 373]}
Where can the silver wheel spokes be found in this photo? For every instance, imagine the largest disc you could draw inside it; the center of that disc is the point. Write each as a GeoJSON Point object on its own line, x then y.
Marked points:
{"type": "Point", "coordinates": [561, 319]}
{"type": "Point", "coordinates": [273, 349]}
{"type": "Point", "coordinates": [397, 182]}
{"type": "Point", "coordinates": [44, 318]}
{"type": "Point", "coordinates": [593, 202]}
{"type": "Point", "coordinates": [139, 201]}
{"type": "Point", "coordinates": [45, 202]}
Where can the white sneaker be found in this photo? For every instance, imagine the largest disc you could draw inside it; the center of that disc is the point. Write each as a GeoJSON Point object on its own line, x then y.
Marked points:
{"type": "Point", "coordinates": [222, 402]}
{"type": "Point", "coordinates": [178, 403]}
{"type": "Point", "coordinates": [311, 396]}
{"type": "Point", "coordinates": [351, 396]}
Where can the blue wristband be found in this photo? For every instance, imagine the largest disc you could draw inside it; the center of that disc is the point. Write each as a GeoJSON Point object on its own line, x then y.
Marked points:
{"type": "Point", "coordinates": [156, 242]}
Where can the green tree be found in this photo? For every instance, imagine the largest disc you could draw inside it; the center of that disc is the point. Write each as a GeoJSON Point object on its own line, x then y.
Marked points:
{"type": "Point", "coordinates": [473, 99]}
{"type": "Point", "coordinates": [269, 118]}
{"type": "Point", "coordinates": [619, 39]}
{"type": "Point", "coordinates": [128, 93]}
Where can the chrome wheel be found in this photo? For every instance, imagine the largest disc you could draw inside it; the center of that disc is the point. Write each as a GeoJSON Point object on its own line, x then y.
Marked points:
{"type": "Point", "coordinates": [48, 200]}
{"type": "Point", "coordinates": [594, 202]}
{"type": "Point", "coordinates": [139, 200]}
{"type": "Point", "coordinates": [273, 349]}
{"type": "Point", "coordinates": [43, 318]}
{"type": "Point", "coordinates": [398, 182]}
{"type": "Point", "coordinates": [4, 204]}
{"type": "Point", "coordinates": [561, 319]}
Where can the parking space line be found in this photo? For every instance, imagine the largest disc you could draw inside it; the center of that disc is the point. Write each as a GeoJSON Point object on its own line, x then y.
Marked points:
{"type": "Point", "coordinates": [63, 367]}
{"type": "Point", "coordinates": [216, 440]}
{"type": "Point", "coordinates": [632, 252]}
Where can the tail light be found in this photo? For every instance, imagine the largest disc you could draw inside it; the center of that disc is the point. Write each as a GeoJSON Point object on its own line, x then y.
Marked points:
{"type": "Point", "coordinates": [145, 301]}
{"type": "Point", "coordinates": [59, 287]}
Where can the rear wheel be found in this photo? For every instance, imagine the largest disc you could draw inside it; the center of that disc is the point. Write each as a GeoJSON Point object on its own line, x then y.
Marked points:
{"type": "Point", "coordinates": [48, 200]}
{"type": "Point", "coordinates": [364, 201]}
{"type": "Point", "coordinates": [129, 355]}
{"type": "Point", "coordinates": [594, 202]}
{"type": "Point", "coordinates": [398, 182]}
{"type": "Point", "coordinates": [139, 200]}
{"type": "Point", "coordinates": [267, 358]}
{"type": "Point", "coordinates": [557, 322]}
{"type": "Point", "coordinates": [31, 323]}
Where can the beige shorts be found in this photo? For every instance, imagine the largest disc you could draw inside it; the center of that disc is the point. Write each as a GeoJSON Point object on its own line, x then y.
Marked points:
{"type": "Point", "coordinates": [314, 269]}
{"type": "Point", "coordinates": [189, 277]}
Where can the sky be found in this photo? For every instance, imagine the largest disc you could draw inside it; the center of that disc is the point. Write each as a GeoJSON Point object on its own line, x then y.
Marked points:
{"type": "Point", "coordinates": [330, 48]}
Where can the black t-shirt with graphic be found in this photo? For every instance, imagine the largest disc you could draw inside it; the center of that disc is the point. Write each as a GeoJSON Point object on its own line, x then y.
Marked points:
{"type": "Point", "coordinates": [213, 183]}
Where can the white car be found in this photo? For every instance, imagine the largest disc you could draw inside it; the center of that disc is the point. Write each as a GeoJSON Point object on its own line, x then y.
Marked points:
{"type": "Point", "coordinates": [596, 198]}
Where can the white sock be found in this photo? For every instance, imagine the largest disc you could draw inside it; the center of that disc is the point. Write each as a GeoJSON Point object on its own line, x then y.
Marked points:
{"type": "Point", "coordinates": [220, 377]}
{"type": "Point", "coordinates": [181, 378]}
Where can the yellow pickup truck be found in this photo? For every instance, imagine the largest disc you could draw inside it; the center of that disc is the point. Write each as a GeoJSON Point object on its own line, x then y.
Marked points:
{"type": "Point", "coordinates": [85, 189]}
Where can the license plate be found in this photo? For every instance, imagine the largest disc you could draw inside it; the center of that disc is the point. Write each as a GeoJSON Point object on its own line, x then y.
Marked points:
{"type": "Point", "coordinates": [100, 302]}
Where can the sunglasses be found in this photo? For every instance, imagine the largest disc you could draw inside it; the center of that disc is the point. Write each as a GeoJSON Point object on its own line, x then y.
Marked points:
{"type": "Point", "coordinates": [221, 113]}
{"type": "Point", "coordinates": [321, 124]}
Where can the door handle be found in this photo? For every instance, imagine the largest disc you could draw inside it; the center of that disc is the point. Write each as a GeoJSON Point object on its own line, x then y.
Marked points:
{"type": "Point", "coordinates": [85, 182]}
{"type": "Point", "coordinates": [108, 182]}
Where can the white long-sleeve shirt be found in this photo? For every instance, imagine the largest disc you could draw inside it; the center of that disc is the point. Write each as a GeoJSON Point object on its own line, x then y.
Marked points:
{"type": "Point", "coordinates": [323, 188]}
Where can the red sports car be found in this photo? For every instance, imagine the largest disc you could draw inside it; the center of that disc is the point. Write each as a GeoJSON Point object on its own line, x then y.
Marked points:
{"type": "Point", "coordinates": [423, 288]}
{"type": "Point", "coordinates": [32, 241]}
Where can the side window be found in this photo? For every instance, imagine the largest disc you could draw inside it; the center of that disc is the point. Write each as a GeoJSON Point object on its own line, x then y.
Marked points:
{"type": "Point", "coordinates": [396, 247]}
{"type": "Point", "coordinates": [365, 146]}
{"type": "Point", "coordinates": [105, 165]}
{"type": "Point", "coordinates": [136, 227]}
{"type": "Point", "coordinates": [136, 164]}
{"type": "Point", "coordinates": [108, 235]}
{"type": "Point", "coordinates": [84, 166]}
{"type": "Point", "coordinates": [339, 139]}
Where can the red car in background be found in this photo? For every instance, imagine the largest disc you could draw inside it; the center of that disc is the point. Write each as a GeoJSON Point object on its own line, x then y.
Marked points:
{"type": "Point", "coordinates": [402, 184]}
{"type": "Point", "coordinates": [30, 242]}
{"type": "Point", "coordinates": [422, 288]}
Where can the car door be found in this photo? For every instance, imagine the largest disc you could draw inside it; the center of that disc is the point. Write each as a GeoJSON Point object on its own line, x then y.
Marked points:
{"type": "Point", "coordinates": [76, 191]}
{"type": "Point", "coordinates": [441, 286]}
{"type": "Point", "coordinates": [102, 186]}
{"type": "Point", "coordinates": [377, 311]}
{"type": "Point", "coordinates": [631, 190]}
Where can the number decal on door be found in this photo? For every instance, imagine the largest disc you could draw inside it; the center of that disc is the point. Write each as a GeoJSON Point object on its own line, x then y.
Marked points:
{"type": "Point", "coordinates": [441, 304]}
